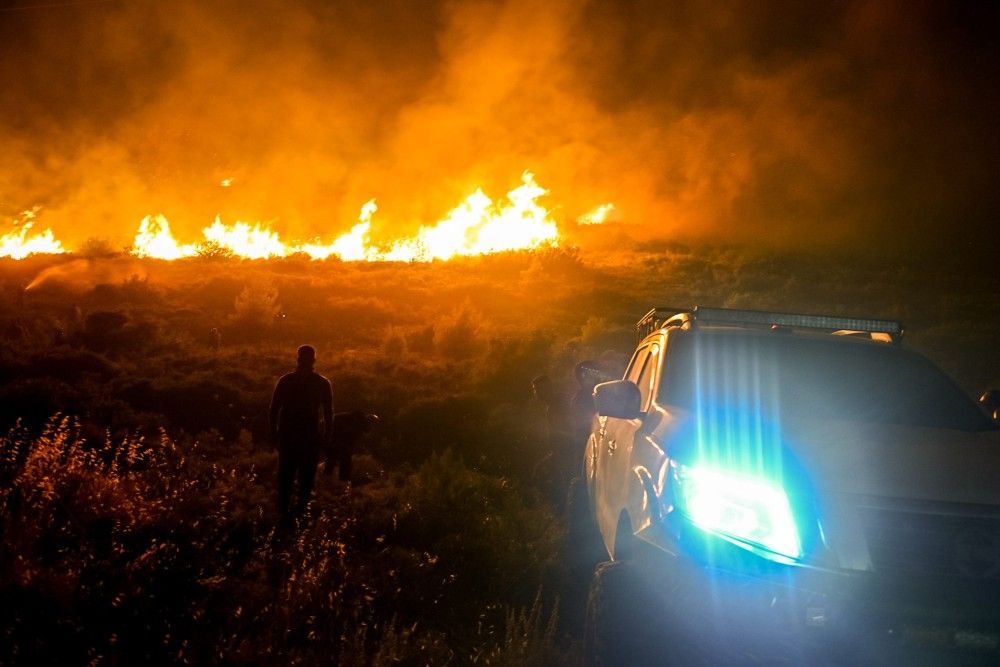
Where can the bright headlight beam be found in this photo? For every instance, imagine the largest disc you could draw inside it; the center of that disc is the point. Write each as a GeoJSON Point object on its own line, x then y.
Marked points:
{"type": "Point", "coordinates": [746, 508]}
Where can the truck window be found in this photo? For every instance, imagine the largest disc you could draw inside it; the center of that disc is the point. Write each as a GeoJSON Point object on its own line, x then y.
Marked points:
{"type": "Point", "coordinates": [638, 362]}
{"type": "Point", "coordinates": [647, 376]}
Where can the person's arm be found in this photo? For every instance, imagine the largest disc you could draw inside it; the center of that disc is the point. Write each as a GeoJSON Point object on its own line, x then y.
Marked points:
{"type": "Point", "coordinates": [277, 400]}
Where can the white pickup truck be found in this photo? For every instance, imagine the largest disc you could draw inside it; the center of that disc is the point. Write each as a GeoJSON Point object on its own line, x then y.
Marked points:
{"type": "Point", "coordinates": [773, 484]}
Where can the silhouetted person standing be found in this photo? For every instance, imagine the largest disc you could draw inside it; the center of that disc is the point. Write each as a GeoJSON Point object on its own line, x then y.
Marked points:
{"type": "Point", "coordinates": [301, 418]}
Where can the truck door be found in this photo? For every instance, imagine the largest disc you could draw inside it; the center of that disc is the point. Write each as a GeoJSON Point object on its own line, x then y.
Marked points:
{"type": "Point", "coordinates": [613, 468]}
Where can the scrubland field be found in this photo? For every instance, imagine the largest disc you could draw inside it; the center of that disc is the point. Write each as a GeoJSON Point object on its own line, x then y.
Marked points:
{"type": "Point", "coordinates": [136, 482]}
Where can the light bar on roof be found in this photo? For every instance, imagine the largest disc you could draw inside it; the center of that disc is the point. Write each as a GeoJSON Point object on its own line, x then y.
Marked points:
{"type": "Point", "coordinates": [733, 316]}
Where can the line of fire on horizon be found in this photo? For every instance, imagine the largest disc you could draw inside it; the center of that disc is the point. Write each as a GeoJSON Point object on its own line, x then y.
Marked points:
{"type": "Point", "coordinates": [477, 226]}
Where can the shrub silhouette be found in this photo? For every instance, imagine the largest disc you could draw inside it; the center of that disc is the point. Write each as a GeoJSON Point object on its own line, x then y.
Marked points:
{"type": "Point", "coordinates": [255, 309]}
{"type": "Point", "coordinates": [457, 336]}
{"type": "Point", "coordinates": [32, 401]}
{"type": "Point", "coordinates": [96, 248]}
{"type": "Point", "coordinates": [104, 325]}
{"type": "Point", "coordinates": [71, 365]}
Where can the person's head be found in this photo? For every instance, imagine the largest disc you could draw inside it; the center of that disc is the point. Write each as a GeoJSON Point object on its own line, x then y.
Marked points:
{"type": "Point", "coordinates": [306, 357]}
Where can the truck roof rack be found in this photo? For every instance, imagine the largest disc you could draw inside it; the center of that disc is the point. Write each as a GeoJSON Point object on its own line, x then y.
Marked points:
{"type": "Point", "coordinates": [657, 318]}
{"type": "Point", "coordinates": [665, 316]}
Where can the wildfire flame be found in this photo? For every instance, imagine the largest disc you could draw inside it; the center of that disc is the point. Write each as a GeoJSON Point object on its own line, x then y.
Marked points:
{"type": "Point", "coordinates": [598, 216]}
{"type": "Point", "coordinates": [476, 226]}
{"type": "Point", "coordinates": [350, 247]}
{"type": "Point", "coordinates": [19, 245]}
{"type": "Point", "coordinates": [245, 241]}
{"type": "Point", "coordinates": [155, 240]}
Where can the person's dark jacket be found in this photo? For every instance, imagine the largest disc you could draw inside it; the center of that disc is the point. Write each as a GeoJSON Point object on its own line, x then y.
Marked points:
{"type": "Point", "coordinates": [301, 409]}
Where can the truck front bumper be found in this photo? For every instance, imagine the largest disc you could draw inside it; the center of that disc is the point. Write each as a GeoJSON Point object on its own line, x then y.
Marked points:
{"type": "Point", "coordinates": [716, 588]}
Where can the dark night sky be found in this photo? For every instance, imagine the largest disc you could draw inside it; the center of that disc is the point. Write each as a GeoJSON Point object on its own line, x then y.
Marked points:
{"type": "Point", "coordinates": [777, 124]}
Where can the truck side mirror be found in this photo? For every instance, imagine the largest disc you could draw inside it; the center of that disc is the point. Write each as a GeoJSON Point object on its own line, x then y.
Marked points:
{"type": "Point", "coordinates": [619, 399]}
{"type": "Point", "coordinates": [990, 400]}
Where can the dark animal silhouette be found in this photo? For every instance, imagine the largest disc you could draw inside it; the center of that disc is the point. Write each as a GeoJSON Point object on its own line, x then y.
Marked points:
{"type": "Point", "coordinates": [348, 427]}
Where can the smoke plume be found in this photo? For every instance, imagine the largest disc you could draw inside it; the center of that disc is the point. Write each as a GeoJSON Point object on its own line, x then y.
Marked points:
{"type": "Point", "coordinates": [775, 124]}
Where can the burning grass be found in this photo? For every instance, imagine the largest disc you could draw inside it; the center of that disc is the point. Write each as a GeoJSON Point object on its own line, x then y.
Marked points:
{"type": "Point", "coordinates": [477, 226]}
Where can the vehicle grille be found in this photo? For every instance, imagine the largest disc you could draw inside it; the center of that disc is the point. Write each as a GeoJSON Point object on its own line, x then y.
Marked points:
{"type": "Point", "coordinates": [937, 544]}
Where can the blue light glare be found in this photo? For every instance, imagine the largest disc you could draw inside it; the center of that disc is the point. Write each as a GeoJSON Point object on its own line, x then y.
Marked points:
{"type": "Point", "coordinates": [736, 476]}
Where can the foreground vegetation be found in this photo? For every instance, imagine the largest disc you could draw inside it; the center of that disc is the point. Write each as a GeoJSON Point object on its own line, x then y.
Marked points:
{"type": "Point", "coordinates": [158, 551]}
{"type": "Point", "coordinates": [138, 523]}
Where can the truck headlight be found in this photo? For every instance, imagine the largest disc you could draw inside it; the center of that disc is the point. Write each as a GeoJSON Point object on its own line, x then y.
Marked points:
{"type": "Point", "coordinates": [740, 507]}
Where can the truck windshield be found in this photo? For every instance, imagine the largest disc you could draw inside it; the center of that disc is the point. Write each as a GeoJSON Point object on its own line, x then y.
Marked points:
{"type": "Point", "coordinates": [814, 378]}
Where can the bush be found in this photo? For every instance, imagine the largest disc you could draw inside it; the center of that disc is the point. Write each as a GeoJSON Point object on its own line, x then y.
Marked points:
{"type": "Point", "coordinates": [194, 405]}
{"type": "Point", "coordinates": [71, 365]}
{"type": "Point", "coordinates": [113, 332]}
{"type": "Point", "coordinates": [104, 324]}
{"type": "Point", "coordinates": [32, 401]}
{"type": "Point", "coordinates": [478, 533]}
{"type": "Point", "coordinates": [457, 335]}
{"type": "Point", "coordinates": [436, 424]}
{"type": "Point", "coordinates": [255, 309]}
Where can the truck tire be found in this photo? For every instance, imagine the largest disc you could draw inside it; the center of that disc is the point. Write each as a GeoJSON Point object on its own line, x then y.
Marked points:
{"type": "Point", "coordinates": [584, 548]}
{"type": "Point", "coordinates": [619, 625]}
{"type": "Point", "coordinates": [637, 615]}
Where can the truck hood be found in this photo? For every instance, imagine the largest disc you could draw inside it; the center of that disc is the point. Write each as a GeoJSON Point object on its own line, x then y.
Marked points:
{"type": "Point", "coordinates": [900, 462]}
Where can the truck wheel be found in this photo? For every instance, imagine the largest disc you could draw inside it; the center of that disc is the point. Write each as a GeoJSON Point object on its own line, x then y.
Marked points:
{"type": "Point", "coordinates": [637, 615]}
{"type": "Point", "coordinates": [583, 541]}
{"type": "Point", "coordinates": [619, 626]}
